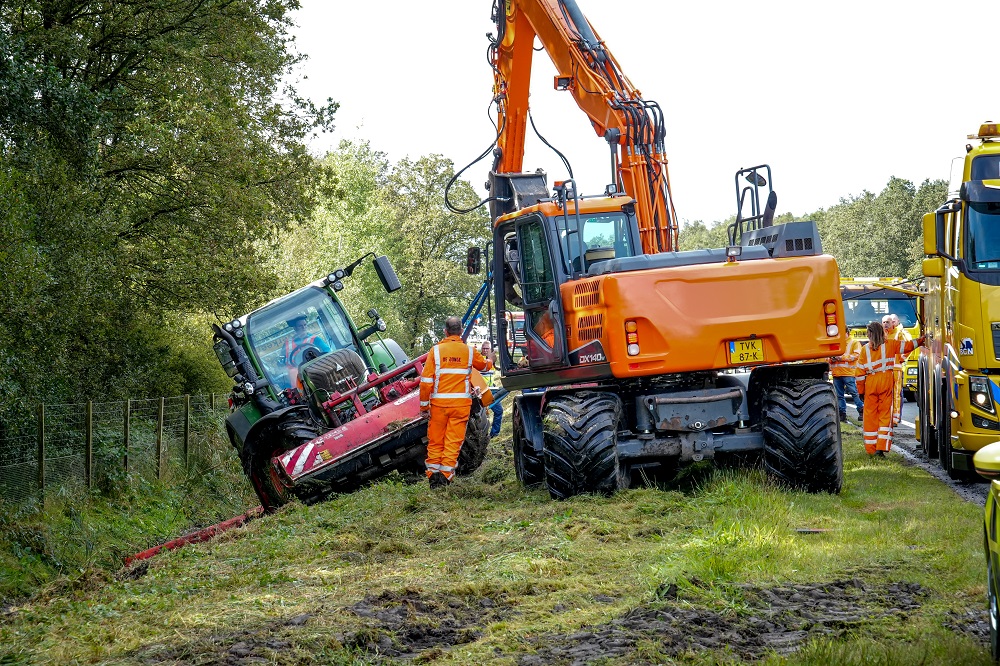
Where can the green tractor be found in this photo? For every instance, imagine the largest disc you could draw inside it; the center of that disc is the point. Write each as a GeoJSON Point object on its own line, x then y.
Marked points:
{"type": "Point", "coordinates": [321, 406]}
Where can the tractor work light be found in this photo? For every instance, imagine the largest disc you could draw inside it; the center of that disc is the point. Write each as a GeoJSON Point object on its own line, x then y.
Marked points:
{"type": "Point", "coordinates": [228, 327]}
{"type": "Point", "coordinates": [979, 394]}
{"type": "Point", "coordinates": [338, 285]}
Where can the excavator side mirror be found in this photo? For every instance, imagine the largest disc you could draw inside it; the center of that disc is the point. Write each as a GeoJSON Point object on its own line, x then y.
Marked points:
{"type": "Point", "coordinates": [755, 178]}
{"type": "Point", "coordinates": [473, 261]}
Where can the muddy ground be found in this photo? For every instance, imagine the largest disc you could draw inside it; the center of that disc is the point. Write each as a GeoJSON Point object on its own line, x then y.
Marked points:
{"type": "Point", "coordinates": [414, 627]}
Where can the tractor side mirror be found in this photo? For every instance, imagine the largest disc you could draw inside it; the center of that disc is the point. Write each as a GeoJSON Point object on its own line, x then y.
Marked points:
{"type": "Point", "coordinates": [473, 260]}
{"type": "Point", "coordinates": [386, 273]}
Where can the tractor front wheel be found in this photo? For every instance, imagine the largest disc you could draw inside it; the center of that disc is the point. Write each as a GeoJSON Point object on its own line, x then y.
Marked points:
{"type": "Point", "coordinates": [477, 440]}
{"type": "Point", "coordinates": [802, 436]}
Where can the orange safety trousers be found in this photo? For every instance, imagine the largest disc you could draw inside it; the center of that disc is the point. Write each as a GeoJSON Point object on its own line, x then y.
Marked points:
{"type": "Point", "coordinates": [445, 434]}
{"type": "Point", "coordinates": [897, 396]}
{"type": "Point", "coordinates": [877, 423]}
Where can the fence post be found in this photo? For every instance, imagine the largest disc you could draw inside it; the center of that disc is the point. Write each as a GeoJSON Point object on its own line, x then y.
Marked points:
{"type": "Point", "coordinates": [127, 428]}
{"type": "Point", "coordinates": [159, 439]}
{"type": "Point", "coordinates": [41, 449]}
{"type": "Point", "coordinates": [88, 458]}
{"type": "Point", "coordinates": [187, 426]}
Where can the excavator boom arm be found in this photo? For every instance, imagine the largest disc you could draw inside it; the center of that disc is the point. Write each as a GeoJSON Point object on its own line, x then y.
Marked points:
{"type": "Point", "coordinates": [586, 69]}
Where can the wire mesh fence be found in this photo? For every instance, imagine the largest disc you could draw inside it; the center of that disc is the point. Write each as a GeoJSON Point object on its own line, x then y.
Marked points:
{"type": "Point", "coordinates": [83, 445]}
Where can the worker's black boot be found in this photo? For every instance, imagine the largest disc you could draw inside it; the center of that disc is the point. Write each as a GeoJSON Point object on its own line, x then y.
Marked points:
{"type": "Point", "coordinates": [437, 480]}
{"type": "Point", "coordinates": [843, 418]}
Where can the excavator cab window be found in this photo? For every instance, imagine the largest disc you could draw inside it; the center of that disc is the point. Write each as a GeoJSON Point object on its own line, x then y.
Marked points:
{"type": "Point", "coordinates": [543, 329]}
{"type": "Point", "coordinates": [604, 236]}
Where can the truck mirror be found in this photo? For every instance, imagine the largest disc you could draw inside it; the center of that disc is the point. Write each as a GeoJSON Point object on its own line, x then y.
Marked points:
{"type": "Point", "coordinates": [386, 273]}
{"type": "Point", "coordinates": [931, 234]}
{"type": "Point", "coordinates": [473, 261]}
{"type": "Point", "coordinates": [933, 267]}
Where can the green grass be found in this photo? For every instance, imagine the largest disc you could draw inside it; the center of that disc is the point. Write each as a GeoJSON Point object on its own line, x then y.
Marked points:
{"type": "Point", "coordinates": [547, 568]}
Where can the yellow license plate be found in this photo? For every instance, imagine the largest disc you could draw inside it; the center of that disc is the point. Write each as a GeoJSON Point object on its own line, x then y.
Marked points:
{"type": "Point", "coordinates": [745, 352]}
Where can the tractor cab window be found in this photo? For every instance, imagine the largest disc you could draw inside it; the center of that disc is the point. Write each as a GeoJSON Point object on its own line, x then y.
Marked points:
{"type": "Point", "coordinates": [281, 348]}
{"type": "Point", "coordinates": [983, 234]}
{"type": "Point", "coordinates": [604, 236]}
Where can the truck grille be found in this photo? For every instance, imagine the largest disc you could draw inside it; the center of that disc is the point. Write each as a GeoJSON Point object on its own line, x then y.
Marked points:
{"type": "Point", "coordinates": [995, 329]}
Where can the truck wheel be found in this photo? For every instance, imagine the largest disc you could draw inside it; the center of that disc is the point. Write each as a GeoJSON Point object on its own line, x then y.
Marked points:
{"type": "Point", "coordinates": [928, 436]}
{"type": "Point", "coordinates": [802, 436]}
{"type": "Point", "coordinates": [477, 440]}
{"type": "Point", "coordinates": [528, 465]}
{"type": "Point", "coordinates": [944, 431]}
{"type": "Point", "coordinates": [580, 445]}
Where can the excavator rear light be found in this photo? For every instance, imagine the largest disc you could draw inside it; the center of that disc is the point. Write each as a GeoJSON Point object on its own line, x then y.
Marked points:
{"type": "Point", "coordinates": [831, 319]}
{"type": "Point", "coordinates": [832, 330]}
{"type": "Point", "coordinates": [632, 337]}
{"type": "Point", "coordinates": [830, 307]}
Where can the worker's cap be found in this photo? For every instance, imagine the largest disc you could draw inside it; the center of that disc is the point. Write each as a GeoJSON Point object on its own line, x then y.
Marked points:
{"type": "Point", "coordinates": [296, 320]}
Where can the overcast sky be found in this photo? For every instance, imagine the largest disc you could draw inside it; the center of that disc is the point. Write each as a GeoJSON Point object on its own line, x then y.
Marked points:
{"type": "Point", "coordinates": [837, 97]}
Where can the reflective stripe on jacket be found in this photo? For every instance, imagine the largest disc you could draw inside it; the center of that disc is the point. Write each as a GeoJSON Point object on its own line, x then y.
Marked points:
{"type": "Point", "coordinates": [843, 366]}
{"type": "Point", "coordinates": [875, 367]}
{"type": "Point", "coordinates": [445, 379]}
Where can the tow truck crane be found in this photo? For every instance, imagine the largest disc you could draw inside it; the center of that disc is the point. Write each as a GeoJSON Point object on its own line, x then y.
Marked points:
{"type": "Point", "coordinates": [630, 342]}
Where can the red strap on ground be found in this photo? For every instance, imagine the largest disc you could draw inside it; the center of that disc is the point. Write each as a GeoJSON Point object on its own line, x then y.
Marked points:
{"type": "Point", "coordinates": [195, 537]}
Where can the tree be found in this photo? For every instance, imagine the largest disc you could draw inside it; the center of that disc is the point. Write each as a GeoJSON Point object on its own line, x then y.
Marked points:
{"type": "Point", "coordinates": [881, 235]}
{"type": "Point", "coordinates": [152, 154]}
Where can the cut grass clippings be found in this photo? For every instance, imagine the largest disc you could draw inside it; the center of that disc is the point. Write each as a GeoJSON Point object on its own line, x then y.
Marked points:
{"type": "Point", "coordinates": [732, 569]}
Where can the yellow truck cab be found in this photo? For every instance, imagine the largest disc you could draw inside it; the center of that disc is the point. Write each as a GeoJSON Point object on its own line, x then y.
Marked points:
{"type": "Point", "coordinates": [869, 299]}
{"type": "Point", "coordinates": [958, 371]}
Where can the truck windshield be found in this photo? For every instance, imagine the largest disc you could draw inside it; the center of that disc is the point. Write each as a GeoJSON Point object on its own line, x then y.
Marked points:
{"type": "Point", "coordinates": [605, 236]}
{"type": "Point", "coordinates": [982, 221]}
{"type": "Point", "coordinates": [871, 305]}
{"type": "Point", "coordinates": [273, 337]}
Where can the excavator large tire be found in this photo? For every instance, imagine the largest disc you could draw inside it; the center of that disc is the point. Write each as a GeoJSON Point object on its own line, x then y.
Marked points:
{"type": "Point", "coordinates": [802, 436]}
{"type": "Point", "coordinates": [477, 441]}
{"type": "Point", "coordinates": [295, 429]}
{"type": "Point", "coordinates": [580, 444]}
{"type": "Point", "coordinates": [528, 465]}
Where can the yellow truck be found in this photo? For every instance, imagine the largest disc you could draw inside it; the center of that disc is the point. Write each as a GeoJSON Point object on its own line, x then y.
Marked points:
{"type": "Point", "coordinates": [958, 370]}
{"type": "Point", "coordinates": [869, 299]}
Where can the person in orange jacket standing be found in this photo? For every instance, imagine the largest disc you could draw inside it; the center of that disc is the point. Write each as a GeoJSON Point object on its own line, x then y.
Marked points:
{"type": "Point", "coordinates": [876, 385]}
{"type": "Point", "coordinates": [842, 369]}
{"type": "Point", "coordinates": [446, 392]}
{"type": "Point", "coordinates": [893, 331]}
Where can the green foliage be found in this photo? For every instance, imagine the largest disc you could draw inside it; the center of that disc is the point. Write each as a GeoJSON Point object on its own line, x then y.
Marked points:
{"type": "Point", "coordinates": [397, 210]}
{"type": "Point", "coordinates": [881, 234]}
{"type": "Point", "coordinates": [145, 159]}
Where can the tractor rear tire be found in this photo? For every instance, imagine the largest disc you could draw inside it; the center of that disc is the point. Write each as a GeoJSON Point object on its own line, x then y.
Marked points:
{"type": "Point", "coordinates": [477, 441]}
{"type": "Point", "coordinates": [580, 449]}
{"type": "Point", "coordinates": [802, 436]}
{"type": "Point", "coordinates": [528, 466]}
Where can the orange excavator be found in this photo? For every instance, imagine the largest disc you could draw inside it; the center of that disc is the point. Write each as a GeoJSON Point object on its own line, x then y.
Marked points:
{"type": "Point", "coordinates": [639, 355]}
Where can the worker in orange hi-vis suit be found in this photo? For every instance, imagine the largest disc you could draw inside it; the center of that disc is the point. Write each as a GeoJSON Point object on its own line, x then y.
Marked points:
{"type": "Point", "coordinates": [446, 391]}
{"type": "Point", "coordinates": [876, 386]}
{"type": "Point", "coordinates": [893, 331]}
